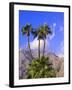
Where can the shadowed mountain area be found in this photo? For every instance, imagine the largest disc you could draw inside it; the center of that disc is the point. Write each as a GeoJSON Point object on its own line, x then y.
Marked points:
{"type": "Point", "coordinates": [25, 59]}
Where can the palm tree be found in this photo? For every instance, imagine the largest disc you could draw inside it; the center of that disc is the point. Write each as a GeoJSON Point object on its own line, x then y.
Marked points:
{"type": "Point", "coordinates": [40, 36]}
{"type": "Point", "coordinates": [26, 30]}
{"type": "Point", "coordinates": [46, 31]}
{"type": "Point", "coordinates": [41, 33]}
{"type": "Point", "coordinates": [37, 33]}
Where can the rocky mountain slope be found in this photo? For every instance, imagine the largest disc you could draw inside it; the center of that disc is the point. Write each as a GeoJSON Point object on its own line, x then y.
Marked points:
{"type": "Point", "coordinates": [25, 59]}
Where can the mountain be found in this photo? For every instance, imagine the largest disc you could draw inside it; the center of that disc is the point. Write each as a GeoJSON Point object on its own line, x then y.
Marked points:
{"type": "Point", "coordinates": [58, 64]}
{"type": "Point", "coordinates": [25, 58]}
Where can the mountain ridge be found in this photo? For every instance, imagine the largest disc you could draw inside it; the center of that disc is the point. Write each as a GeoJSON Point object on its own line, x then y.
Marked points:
{"type": "Point", "coordinates": [25, 59]}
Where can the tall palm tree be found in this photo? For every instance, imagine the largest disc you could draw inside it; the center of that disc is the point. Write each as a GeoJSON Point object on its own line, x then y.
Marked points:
{"type": "Point", "coordinates": [41, 33]}
{"type": "Point", "coordinates": [37, 33]}
{"type": "Point", "coordinates": [40, 37]}
{"type": "Point", "coordinates": [26, 30]}
{"type": "Point", "coordinates": [46, 31]}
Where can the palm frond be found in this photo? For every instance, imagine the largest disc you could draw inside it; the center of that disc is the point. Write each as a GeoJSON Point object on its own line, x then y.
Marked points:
{"type": "Point", "coordinates": [23, 30]}
{"type": "Point", "coordinates": [34, 33]}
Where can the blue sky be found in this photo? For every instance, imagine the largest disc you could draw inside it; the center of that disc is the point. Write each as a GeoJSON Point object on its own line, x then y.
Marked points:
{"type": "Point", "coordinates": [54, 19]}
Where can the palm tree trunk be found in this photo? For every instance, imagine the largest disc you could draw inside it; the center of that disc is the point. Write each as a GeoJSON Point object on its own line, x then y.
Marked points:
{"type": "Point", "coordinates": [39, 49]}
{"type": "Point", "coordinates": [44, 48]}
{"type": "Point", "coordinates": [29, 47]}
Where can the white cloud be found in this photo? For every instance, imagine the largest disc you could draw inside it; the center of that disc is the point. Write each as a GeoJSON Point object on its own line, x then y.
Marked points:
{"type": "Point", "coordinates": [53, 31]}
{"type": "Point", "coordinates": [52, 36]}
{"type": "Point", "coordinates": [34, 44]}
{"type": "Point", "coordinates": [54, 24]}
{"type": "Point", "coordinates": [61, 29]}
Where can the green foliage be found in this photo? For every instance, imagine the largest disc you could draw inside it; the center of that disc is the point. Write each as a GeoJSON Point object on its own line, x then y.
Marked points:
{"type": "Point", "coordinates": [41, 33]}
{"type": "Point", "coordinates": [26, 30]}
{"type": "Point", "coordinates": [41, 68]}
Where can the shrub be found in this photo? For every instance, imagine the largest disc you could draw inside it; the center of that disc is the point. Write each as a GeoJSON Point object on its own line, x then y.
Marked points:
{"type": "Point", "coordinates": [41, 68]}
